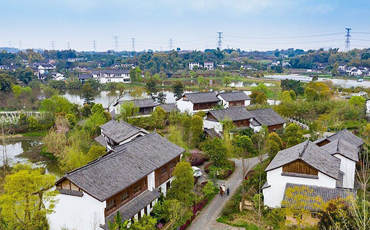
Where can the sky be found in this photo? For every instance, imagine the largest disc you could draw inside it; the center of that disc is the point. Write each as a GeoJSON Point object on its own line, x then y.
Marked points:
{"type": "Point", "coordinates": [191, 24]}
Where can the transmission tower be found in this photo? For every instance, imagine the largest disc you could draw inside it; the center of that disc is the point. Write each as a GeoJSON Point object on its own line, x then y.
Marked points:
{"type": "Point", "coordinates": [52, 45]}
{"type": "Point", "coordinates": [348, 42]}
{"type": "Point", "coordinates": [94, 46]}
{"type": "Point", "coordinates": [20, 45]}
{"type": "Point", "coordinates": [170, 43]}
{"type": "Point", "coordinates": [219, 43]}
{"type": "Point", "coordinates": [133, 44]}
{"type": "Point", "coordinates": [69, 47]}
{"type": "Point", "coordinates": [115, 43]}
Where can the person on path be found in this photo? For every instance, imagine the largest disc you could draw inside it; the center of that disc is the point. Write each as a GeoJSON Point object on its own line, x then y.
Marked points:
{"type": "Point", "coordinates": [221, 191]}
{"type": "Point", "coordinates": [228, 191]}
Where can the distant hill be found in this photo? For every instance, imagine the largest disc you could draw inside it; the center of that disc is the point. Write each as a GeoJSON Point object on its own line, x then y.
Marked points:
{"type": "Point", "coordinates": [9, 49]}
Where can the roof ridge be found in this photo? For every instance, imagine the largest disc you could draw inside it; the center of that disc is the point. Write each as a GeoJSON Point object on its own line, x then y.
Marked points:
{"type": "Point", "coordinates": [304, 148]}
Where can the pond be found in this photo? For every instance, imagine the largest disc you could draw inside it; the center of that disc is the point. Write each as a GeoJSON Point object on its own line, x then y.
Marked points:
{"type": "Point", "coordinates": [26, 151]}
{"type": "Point", "coordinates": [336, 81]}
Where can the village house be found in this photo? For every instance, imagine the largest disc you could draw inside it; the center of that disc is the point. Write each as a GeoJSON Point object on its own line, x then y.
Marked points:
{"type": "Point", "coordinates": [45, 68]}
{"type": "Point", "coordinates": [194, 64]}
{"type": "Point", "coordinates": [112, 75]}
{"type": "Point", "coordinates": [128, 179]}
{"type": "Point", "coordinates": [115, 133]}
{"type": "Point", "coordinates": [146, 106]}
{"type": "Point", "coordinates": [4, 67]}
{"type": "Point", "coordinates": [368, 107]}
{"type": "Point", "coordinates": [232, 99]}
{"type": "Point", "coordinates": [84, 77]}
{"type": "Point", "coordinates": [242, 118]}
{"type": "Point", "coordinates": [169, 108]}
{"type": "Point", "coordinates": [326, 166]}
{"type": "Point", "coordinates": [208, 65]}
{"type": "Point", "coordinates": [194, 102]}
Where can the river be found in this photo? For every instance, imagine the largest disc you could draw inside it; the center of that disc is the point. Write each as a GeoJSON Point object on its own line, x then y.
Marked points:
{"type": "Point", "coordinates": [336, 81]}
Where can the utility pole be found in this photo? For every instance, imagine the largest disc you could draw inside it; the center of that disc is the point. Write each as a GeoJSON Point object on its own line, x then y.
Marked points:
{"type": "Point", "coordinates": [219, 43]}
{"type": "Point", "coordinates": [69, 47]}
{"type": "Point", "coordinates": [94, 46]}
{"type": "Point", "coordinates": [133, 44]}
{"type": "Point", "coordinates": [348, 42]}
{"type": "Point", "coordinates": [52, 45]}
{"type": "Point", "coordinates": [115, 43]}
{"type": "Point", "coordinates": [170, 42]}
{"type": "Point", "coordinates": [20, 45]}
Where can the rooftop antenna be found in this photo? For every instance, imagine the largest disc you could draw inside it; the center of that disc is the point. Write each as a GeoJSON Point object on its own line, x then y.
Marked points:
{"type": "Point", "coordinates": [348, 42]}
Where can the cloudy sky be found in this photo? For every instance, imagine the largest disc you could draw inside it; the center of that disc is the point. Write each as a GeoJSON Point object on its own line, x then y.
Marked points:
{"type": "Point", "coordinates": [191, 24]}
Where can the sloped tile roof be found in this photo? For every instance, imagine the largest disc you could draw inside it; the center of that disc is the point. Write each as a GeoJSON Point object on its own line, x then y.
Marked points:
{"type": "Point", "coordinates": [134, 206]}
{"type": "Point", "coordinates": [70, 192]}
{"type": "Point", "coordinates": [310, 153]}
{"type": "Point", "coordinates": [125, 165]}
{"type": "Point", "coordinates": [267, 117]}
{"type": "Point", "coordinates": [348, 136]}
{"type": "Point", "coordinates": [233, 113]}
{"type": "Point", "coordinates": [101, 140]}
{"type": "Point", "coordinates": [202, 97]}
{"type": "Point", "coordinates": [141, 103]}
{"type": "Point", "coordinates": [169, 107]}
{"type": "Point", "coordinates": [342, 147]}
{"type": "Point", "coordinates": [120, 131]}
{"type": "Point", "coordinates": [234, 96]}
{"type": "Point", "coordinates": [325, 193]}
{"type": "Point", "coordinates": [111, 71]}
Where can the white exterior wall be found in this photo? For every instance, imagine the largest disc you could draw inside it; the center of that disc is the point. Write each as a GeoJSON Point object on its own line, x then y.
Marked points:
{"type": "Point", "coordinates": [275, 194]}
{"type": "Point", "coordinates": [185, 106]}
{"type": "Point", "coordinates": [368, 106]}
{"type": "Point", "coordinates": [348, 167]}
{"type": "Point", "coordinates": [217, 126]}
{"type": "Point", "coordinates": [151, 181]}
{"type": "Point", "coordinates": [247, 102]}
{"type": "Point", "coordinates": [163, 186]}
{"type": "Point", "coordinates": [255, 128]}
{"type": "Point", "coordinates": [79, 213]}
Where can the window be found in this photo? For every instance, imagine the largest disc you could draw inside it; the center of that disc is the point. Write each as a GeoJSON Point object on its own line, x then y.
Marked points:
{"type": "Point", "coordinates": [151, 204]}
{"type": "Point", "coordinates": [168, 185]}
{"type": "Point", "coordinates": [137, 188]}
{"type": "Point", "coordinates": [163, 170]}
{"type": "Point", "coordinates": [172, 164]}
{"type": "Point", "coordinates": [144, 183]}
{"type": "Point", "coordinates": [111, 203]}
{"type": "Point", "coordinates": [124, 196]}
{"type": "Point", "coordinates": [139, 215]}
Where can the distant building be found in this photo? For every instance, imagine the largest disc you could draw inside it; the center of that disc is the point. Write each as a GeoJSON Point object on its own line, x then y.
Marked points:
{"type": "Point", "coordinates": [84, 77]}
{"type": "Point", "coordinates": [232, 99]}
{"type": "Point", "coordinates": [146, 106]}
{"type": "Point", "coordinates": [192, 65]}
{"type": "Point", "coordinates": [4, 67]}
{"type": "Point", "coordinates": [112, 75]}
{"type": "Point", "coordinates": [208, 65]}
{"type": "Point", "coordinates": [45, 68]}
{"type": "Point", "coordinates": [368, 107]}
{"type": "Point", "coordinates": [194, 102]}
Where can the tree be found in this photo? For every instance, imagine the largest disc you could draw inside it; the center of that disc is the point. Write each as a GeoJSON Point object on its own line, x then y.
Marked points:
{"type": "Point", "coordinates": [336, 214]}
{"type": "Point", "coordinates": [217, 151]}
{"type": "Point", "coordinates": [144, 223]}
{"type": "Point", "coordinates": [317, 91]}
{"type": "Point", "coordinates": [33, 124]}
{"type": "Point", "coordinates": [178, 89]}
{"type": "Point", "coordinates": [292, 135]}
{"type": "Point", "coordinates": [175, 136]}
{"type": "Point", "coordinates": [261, 88]}
{"type": "Point", "coordinates": [209, 190]}
{"type": "Point", "coordinates": [17, 90]}
{"type": "Point", "coordinates": [158, 118]}
{"type": "Point", "coordinates": [295, 85]}
{"type": "Point", "coordinates": [88, 93]}
{"type": "Point", "coordinates": [5, 82]}
{"type": "Point", "coordinates": [275, 138]}
{"type": "Point", "coordinates": [285, 97]}
{"type": "Point", "coordinates": [246, 146]}
{"type": "Point", "coordinates": [151, 86]}
{"type": "Point", "coordinates": [196, 130]}
{"type": "Point", "coordinates": [128, 110]}
{"type": "Point", "coordinates": [296, 201]}
{"type": "Point", "coordinates": [227, 81]}
{"type": "Point", "coordinates": [182, 184]}
{"type": "Point", "coordinates": [117, 224]}
{"type": "Point", "coordinates": [202, 82]}
{"type": "Point", "coordinates": [161, 98]}
{"type": "Point", "coordinates": [28, 198]}
{"type": "Point", "coordinates": [137, 92]}
{"type": "Point", "coordinates": [258, 98]}
{"type": "Point", "coordinates": [96, 151]}
{"type": "Point", "coordinates": [335, 71]}
{"type": "Point", "coordinates": [357, 101]}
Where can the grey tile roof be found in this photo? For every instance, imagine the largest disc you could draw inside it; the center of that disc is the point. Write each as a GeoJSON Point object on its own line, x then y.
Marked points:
{"type": "Point", "coordinates": [233, 113]}
{"type": "Point", "coordinates": [85, 76]}
{"type": "Point", "coordinates": [211, 132]}
{"type": "Point", "coordinates": [101, 140]}
{"type": "Point", "coordinates": [134, 206]}
{"type": "Point", "coordinates": [234, 96]}
{"type": "Point", "coordinates": [202, 97]}
{"type": "Point", "coordinates": [325, 193]}
{"type": "Point", "coordinates": [111, 71]}
{"type": "Point", "coordinates": [70, 192]}
{"type": "Point", "coordinates": [342, 147]}
{"type": "Point", "coordinates": [141, 103]}
{"type": "Point", "coordinates": [169, 107]}
{"type": "Point", "coordinates": [125, 165]}
{"type": "Point", "coordinates": [348, 136]}
{"type": "Point", "coordinates": [310, 153]}
{"type": "Point", "coordinates": [120, 131]}
{"type": "Point", "coordinates": [267, 117]}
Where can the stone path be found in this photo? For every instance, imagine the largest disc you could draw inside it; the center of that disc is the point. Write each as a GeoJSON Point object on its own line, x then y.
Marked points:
{"type": "Point", "coordinates": [206, 220]}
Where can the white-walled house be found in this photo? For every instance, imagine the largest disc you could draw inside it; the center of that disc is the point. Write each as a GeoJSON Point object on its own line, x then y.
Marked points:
{"type": "Point", "coordinates": [326, 166]}
{"type": "Point", "coordinates": [128, 179]}
{"type": "Point", "coordinates": [194, 102]}
{"type": "Point", "coordinates": [368, 107]}
{"type": "Point", "coordinates": [115, 133]}
{"type": "Point", "coordinates": [232, 99]}
{"type": "Point", "coordinates": [194, 64]}
{"type": "Point", "coordinates": [112, 75]}
{"type": "Point", "coordinates": [208, 65]}
{"type": "Point", "coordinates": [45, 68]}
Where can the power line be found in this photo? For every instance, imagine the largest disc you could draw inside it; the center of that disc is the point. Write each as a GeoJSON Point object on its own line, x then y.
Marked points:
{"type": "Point", "coordinates": [115, 38]}
{"type": "Point", "coordinates": [284, 37]}
{"type": "Point", "coordinates": [348, 42]}
{"type": "Point", "coordinates": [219, 43]}
{"type": "Point", "coordinates": [282, 43]}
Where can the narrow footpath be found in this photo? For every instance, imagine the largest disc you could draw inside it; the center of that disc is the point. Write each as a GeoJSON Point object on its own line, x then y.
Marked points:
{"type": "Point", "coordinates": [206, 220]}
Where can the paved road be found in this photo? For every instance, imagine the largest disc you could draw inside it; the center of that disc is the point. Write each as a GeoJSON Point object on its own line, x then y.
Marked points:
{"type": "Point", "coordinates": [206, 220]}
